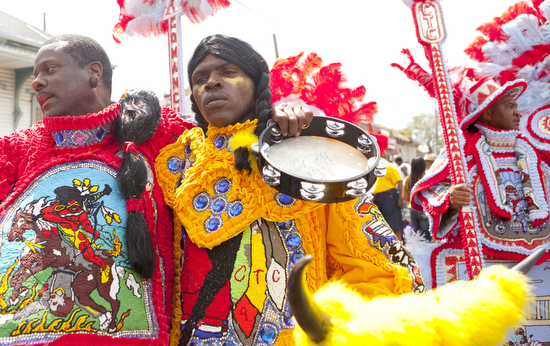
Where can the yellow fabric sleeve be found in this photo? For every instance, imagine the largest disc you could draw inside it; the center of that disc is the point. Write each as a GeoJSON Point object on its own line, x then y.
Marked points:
{"type": "Point", "coordinates": [362, 266]}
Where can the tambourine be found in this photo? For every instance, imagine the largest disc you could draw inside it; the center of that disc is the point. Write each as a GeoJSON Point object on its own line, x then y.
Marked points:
{"type": "Point", "coordinates": [331, 161]}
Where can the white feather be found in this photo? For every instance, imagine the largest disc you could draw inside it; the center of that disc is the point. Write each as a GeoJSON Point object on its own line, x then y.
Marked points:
{"type": "Point", "coordinates": [421, 251]}
{"type": "Point", "coordinates": [490, 69]}
{"type": "Point", "coordinates": [545, 9]}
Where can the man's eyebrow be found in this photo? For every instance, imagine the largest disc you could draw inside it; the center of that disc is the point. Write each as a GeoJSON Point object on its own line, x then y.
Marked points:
{"type": "Point", "coordinates": [45, 62]}
{"type": "Point", "coordinates": [215, 67]}
{"type": "Point", "coordinates": [42, 63]}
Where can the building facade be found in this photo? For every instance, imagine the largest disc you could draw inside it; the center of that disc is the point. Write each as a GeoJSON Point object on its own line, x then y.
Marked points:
{"type": "Point", "coordinates": [19, 43]}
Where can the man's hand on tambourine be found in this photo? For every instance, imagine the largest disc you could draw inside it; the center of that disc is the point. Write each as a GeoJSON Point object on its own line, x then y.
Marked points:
{"type": "Point", "coordinates": [291, 117]}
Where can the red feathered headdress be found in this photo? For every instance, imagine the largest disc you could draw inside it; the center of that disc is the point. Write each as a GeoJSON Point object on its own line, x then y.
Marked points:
{"type": "Point", "coordinates": [305, 80]}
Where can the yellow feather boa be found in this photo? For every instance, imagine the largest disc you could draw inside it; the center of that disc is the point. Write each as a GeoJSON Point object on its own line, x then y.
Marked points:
{"type": "Point", "coordinates": [457, 314]}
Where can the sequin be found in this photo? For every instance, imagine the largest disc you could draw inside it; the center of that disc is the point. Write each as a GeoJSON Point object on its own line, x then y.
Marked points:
{"type": "Point", "coordinates": [213, 223]}
{"type": "Point", "coordinates": [268, 332]}
{"type": "Point", "coordinates": [218, 205]}
{"type": "Point", "coordinates": [236, 209]}
{"type": "Point", "coordinates": [220, 141]}
{"type": "Point", "coordinates": [293, 241]}
{"type": "Point", "coordinates": [295, 256]}
{"type": "Point", "coordinates": [188, 148]}
{"type": "Point", "coordinates": [286, 200]}
{"type": "Point", "coordinates": [175, 164]}
{"type": "Point", "coordinates": [285, 225]}
{"type": "Point", "coordinates": [223, 185]}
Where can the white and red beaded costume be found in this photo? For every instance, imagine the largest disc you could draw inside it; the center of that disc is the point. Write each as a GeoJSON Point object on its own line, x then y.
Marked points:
{"type": "Point", "coordinates": [509, 169]}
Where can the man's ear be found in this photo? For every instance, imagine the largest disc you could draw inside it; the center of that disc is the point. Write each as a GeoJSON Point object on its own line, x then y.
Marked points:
{"type": "Point", "coordinates": [96, 71]}
{"type": "Point", "coordinates": [486, 116]}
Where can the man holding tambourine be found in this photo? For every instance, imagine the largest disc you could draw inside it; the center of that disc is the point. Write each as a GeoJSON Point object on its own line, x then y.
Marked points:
{"type": "Point", "coordinates": [242, 221]}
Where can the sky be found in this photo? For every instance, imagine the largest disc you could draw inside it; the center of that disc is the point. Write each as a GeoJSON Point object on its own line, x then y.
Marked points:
{"type": "Point", "coordinates": [366, 36]}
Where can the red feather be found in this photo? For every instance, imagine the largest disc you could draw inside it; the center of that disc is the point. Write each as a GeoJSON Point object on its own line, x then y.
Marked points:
{"type": "Point", "coordinates": [319, 86]}
{"type": "Point", "coordinates": [474, 49]}
{"type": "Point", "coordinates": [532, 57]}
{"type": "Point", "coordinates": [415, 72]}
{"type": "Point", "coordinates": [281, 83]}
{"type": "Point", "coordinates": [506, 76]}
{"type": "Point", "coordinates": [493, 29]}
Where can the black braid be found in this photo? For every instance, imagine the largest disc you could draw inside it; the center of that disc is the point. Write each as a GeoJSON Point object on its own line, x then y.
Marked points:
{"type": "Point", "coordinates": [263, 104]}
{"type": "Point", "coordinates": [263, 113]}
{"type": "Point", "coordinates": [139, 118]}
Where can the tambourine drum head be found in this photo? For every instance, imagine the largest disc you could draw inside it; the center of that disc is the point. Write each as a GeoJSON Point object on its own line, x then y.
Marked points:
{"type": "Point", "coordinates": [317, 158]}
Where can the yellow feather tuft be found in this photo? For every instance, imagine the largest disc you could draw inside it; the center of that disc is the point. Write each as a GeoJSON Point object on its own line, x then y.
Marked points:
{"type": "Point", "coordinates": [460, 313]}
{"type": "Point", "coordinates": [245, 139]}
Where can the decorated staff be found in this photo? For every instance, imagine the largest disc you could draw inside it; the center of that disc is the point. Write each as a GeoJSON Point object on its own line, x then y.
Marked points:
{"type": "Point", "coordinates": [430, 30]}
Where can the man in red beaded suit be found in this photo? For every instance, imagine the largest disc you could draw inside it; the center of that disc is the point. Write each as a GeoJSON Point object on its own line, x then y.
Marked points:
{"type": "Point", "coordinates": [509, 191]}
{"type": "Point", "coordinates": [76, 149]}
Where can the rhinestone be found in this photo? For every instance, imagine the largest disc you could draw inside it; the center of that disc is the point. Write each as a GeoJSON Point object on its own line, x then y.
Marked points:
{"type": "Point", "coordinates": [59, 137]}
{"type": "Point", "coordinates": [293, 241]}
{"type": "Point", "coordinates": [218, 205]}
{"type": "Point", "coordinates": [201, 201]}
{"type": "Point", "coordinates": [175, 164]}
{"type": "Point", "coordinates": [295, 256]}
{"type": "Point", "coordinates": [289, 318]}
{"type": "Point", "coordinates": [224, 185]}
{"type": "Point", "coordinates": [268, 333]}
{"type": "Point", "coordinates": [285, 225]}
{"type": "Point", "coordinates": [286, 200]}
{"type": "Point", "coordinates": [220, 141]}
{"type": "Point", "coordinates": [236, 209]}
{"type": "Point", "coordinates": [213, 224]}
{"type": "Point", "coordinates": [79, 138]}
{"type": "Point", "coordinates": [100, 132]}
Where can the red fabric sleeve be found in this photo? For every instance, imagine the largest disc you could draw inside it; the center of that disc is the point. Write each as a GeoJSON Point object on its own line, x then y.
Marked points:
{"type": "Point", "coordinates": [13, 150]}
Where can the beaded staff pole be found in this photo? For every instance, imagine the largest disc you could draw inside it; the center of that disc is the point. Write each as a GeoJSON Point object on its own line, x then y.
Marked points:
{"type": "Point", "coordinates": [430, 31]}
{"type": "Point", "coordinates": [173, 14]}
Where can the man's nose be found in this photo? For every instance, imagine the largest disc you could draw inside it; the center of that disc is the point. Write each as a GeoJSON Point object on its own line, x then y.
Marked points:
{"type": "Point", "coordinates": [38, 83]}
{"type": "Point", "coordinates": [214, 82]}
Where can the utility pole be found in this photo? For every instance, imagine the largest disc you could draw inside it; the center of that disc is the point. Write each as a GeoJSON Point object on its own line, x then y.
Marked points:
{"type": "Point", "coordinates": [276, 48]}
{"type": "Point", "coordinates": [44, 21]}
